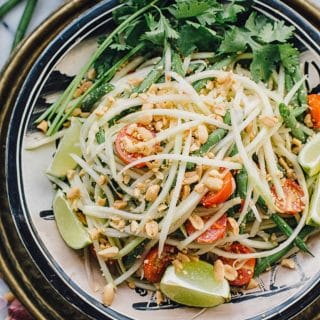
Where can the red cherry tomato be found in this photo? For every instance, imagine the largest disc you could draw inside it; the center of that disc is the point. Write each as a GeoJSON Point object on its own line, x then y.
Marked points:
{"type": "Point", "coordinates": [245, 273]}
{"type": "Point", "coordinates": [154, 267]}
{"type": "Point", "coordinates": [217, 231]}
{"type": "Point", "coordinates": [292, 202]}
{"type": "Point", "coordinates": [213, 198]}
{"type": "Point", "coordinates": [314, 105]}
{"type": "Point", "coordinates": [125, 156]}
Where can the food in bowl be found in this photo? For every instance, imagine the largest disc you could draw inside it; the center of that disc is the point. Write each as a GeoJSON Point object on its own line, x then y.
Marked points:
{"type": "Point", "coordinates": [186, 160]}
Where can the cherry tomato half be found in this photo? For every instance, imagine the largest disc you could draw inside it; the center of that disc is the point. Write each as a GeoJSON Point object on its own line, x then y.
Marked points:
{"type": "Point", "coordinates": [154, 266]}
{"type": "Point", "coordinates": [246, 272]}
{"type": "Point", "coordinates": [125, 156]}
{"type": "Point", "coordinates": [292, 202]}
{"type": "Point", "coordinates": [213, 198]}
{"type": "Point", "coordinates": [217, 231]}
{"type": "Point", "coordinates": [314, 105]}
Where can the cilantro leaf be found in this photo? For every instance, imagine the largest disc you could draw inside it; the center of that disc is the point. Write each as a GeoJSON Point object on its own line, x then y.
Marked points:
{"type": "Point", "coordinates": [277, 31]}
{"type": "Point", "coordinates": [230, 12]}
{"type": "Point", "coordinates": [255, 23]}
{"type": "Point", "coordinates": [191, 8]}
{"type": "Point", "coordinates": [264, 61]}
{"type": "Point", "coordinates": [235, 40]}
{"type": "Point", "coordinates": [195, 36]}
{"type": "Point", "coordinates": [210, 16]}
{"type": "Point", "coordinates": [289, 57]}
{"type": "Point", "coordinates": [159, 30]}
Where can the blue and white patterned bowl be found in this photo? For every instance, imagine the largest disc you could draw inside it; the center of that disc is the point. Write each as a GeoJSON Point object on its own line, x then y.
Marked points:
{"type": "Point", "coordinates": [48, 271]}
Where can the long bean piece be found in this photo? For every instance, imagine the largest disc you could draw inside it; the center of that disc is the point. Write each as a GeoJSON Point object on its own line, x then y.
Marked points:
{"type": "Point", "coordinates": [7, 6]}
{"type": "Point", "coordinates": [291, 122]}
{"type": "Point", "coordinates": [287, 230]}
{"type": "Point", "coordinates": [267, 262]}
{"type": "Point", "coordinates": [24, 22]}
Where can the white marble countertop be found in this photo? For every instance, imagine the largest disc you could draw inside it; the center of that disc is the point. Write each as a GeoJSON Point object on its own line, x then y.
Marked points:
{"type": "Point", "coordinates": [10, 22]}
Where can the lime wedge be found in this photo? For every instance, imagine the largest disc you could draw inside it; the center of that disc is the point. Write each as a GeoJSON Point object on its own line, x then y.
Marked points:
{"type": "Point", "coordinates": [62, 161]}
{"type": "Point", "coordinates": [71, 229]}
{"type": "Point", "coordinates": [195, 285]}
{"type": "Point", "coordinates": [309, 157]}
{"type": "Point", "coordinates": [314, 212]}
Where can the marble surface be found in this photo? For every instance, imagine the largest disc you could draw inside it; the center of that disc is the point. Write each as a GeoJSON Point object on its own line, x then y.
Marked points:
{"type": "Point", "coordinates": [10, 22]}
{"type": "Point", "coordinates": [7, 29]}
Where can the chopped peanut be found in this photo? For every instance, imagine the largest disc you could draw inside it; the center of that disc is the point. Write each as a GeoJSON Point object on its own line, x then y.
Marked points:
{"type": "Point", "coordinates": [120, 204]}
{"type": "Point", "coordinates": [196, 221]}
{"type": "Point", "coordinates": [288, 263]}
{"type": "Point", "coordinates": [108, 294]}
{"type": "Point", "coordinates": [230, 273]}
{"type": "Point", "coordinates": [102, 180]}
{"type": "Point", "coordinates": [152, 192]}
{"type": "Point", "coordinates": [190, 177]}
{"type": "Point", "coordinates": [269, 121]}
{"type": "Point", "coordinates": [202, 133]}
{"type": "Point", "coordinates": [152, 229]}
{"type": "Point", "coordinates": [74, 193]}
{"type": "Point", "coordinates": [43, 126]}
{"type": "Point", "coordinates": [214, 184]}
{"type": "Point", "coordinates": [233, 226]}
{"type": "Point", "coordinates": [218, 270]}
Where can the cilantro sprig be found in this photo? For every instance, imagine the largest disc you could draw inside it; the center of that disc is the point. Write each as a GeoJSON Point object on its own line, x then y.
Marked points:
{"type": "Point", "coordinates": [227, 28]}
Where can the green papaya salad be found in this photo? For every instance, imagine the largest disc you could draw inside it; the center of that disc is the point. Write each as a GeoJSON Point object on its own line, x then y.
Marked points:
{"type": "Point", "coordinates": [187, 159]}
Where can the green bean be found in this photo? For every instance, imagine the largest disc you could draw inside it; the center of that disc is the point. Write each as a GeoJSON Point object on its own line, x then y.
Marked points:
{"type": "Point", "coordinates": [267, 262]}
{"type": "Point", "coordinates": [213, 139]}
{"type": "Point", "coordinates": [100, 136]}
{"type": "Point", "coordinates": [24, 22]}
{"type": "Point", "coordinates": [177, 65]}
{"type": "Point", "coordinates": [95, 95]}
{"type": "Point", "coordinates": [262, 204]}
{"type": "Point", "coordinates": [299, 110]}
{"type": "Point", "coordinates": [242, 183]}
{"type": "Point", "coordinates": [7, 6]}
{"type": "Point", "coordinates": [131, 251]}
{"type": "Point", "coordinates": [291, 122]}
{"type": "Point", "coordinates": [302, 91]}
{"type": "Point", "coordinates": [287, 230]}
{"type": "Point", "coordinates": [152, 77]}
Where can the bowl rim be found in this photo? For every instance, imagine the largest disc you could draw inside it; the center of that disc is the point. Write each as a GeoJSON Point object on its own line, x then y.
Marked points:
{"type": "Point", "coordinates": [18, 278]}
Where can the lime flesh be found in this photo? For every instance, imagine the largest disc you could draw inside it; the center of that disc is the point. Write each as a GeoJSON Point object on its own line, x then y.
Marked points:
{"type": "Point", "coordinates": [195, 285]}
{"type": "Point", "coordinates": [314, 213]}
{"type": "Point", "coordinates": [62, 161]}
{"type": "Point", "coordinates": [309, 157]}
{"type": "Point", "coordinates": [71, 229]}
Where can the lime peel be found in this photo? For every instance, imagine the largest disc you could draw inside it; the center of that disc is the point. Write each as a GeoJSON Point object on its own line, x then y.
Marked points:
{"type": "Point", "coordinates": [71, 229]}
{"type": "Point", "coordinates": [309, 157]}
{"type": "Point", "coordinates": [69, 144]}
{"type": "Point", "coordinates": [195, 285]}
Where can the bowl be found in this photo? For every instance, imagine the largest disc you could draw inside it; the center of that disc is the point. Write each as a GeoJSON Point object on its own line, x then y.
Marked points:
{"type": "Point", "coordinates": [50, 278]}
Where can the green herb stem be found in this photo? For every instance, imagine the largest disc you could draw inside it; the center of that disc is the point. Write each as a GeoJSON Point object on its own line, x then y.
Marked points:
{"type": "Point", "coordinates": [60, 118]}
{"type": "Point", "coordinates": [7, 6]}
{"type": "Point", "coordinates": [68, 94]}
{"type": "Point", "coordinates": [24, 22]}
